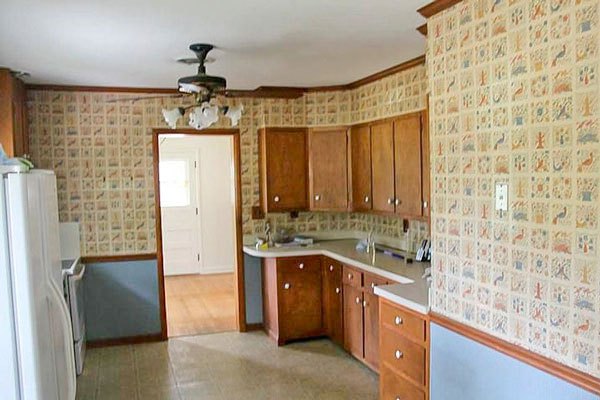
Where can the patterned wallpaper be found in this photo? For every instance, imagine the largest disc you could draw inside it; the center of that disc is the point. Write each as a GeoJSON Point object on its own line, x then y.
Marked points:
{"type": "Point", "coordinates": [514, 97]}
{"type": "Point", "coordinates": [102, 154]}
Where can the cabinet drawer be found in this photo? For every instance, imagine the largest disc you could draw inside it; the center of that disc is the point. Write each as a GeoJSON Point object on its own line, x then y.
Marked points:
{"type": "Point", "coordinates": [298, 264]}
{"type": "Point", "coordinates": [352, 277]}
{"type": "Point", "coordinates": [402, 355]}
{"type": "Point", "coordinates": [393, 387]}
{"type": "Point", "coordinates": [373, 280]}
{"type": "Point", "coordinates": [402, 322]}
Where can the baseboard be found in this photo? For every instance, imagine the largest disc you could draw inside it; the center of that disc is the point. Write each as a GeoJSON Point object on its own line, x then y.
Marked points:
{"type": "Point", "coordinates": [254, 327]}
{"type": "Point", "coordinates": [155, 337]}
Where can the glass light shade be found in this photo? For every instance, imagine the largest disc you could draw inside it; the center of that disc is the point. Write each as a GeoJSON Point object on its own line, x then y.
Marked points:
{"type": "Point", "coordinates": [234, 114]}
{"type": "Point", "coordinates": [172, 116]}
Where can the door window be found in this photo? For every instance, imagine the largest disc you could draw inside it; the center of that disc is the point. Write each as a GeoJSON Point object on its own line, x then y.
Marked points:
{"type": "Point", "coordinates": [174, 183]}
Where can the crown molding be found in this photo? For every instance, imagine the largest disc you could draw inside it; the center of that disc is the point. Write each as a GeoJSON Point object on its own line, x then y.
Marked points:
{"type": "Point", "coordinates": [422, 29]}
{"type": "Point", "coordinates": [436, 7]}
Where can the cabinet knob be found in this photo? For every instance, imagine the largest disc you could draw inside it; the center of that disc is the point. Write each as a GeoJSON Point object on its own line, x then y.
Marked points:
{"type": "Point", "coordinates": [367, 199]}
{"type": "Point", "coordinates": [373, 285]}
{"type": "Point", "coordinates": [398, 320]}
{"type": "Point", "coordinates": [398, 202]}
{"type": "Point", "coordinates": [364, 303]}
{"type": "Point", "coordinates": [425, 204]}
{"type": "Point", "coordinates": [350, 276]}
{"type": "Point", "coordinates": [317, 197]}
{"type": "Point", "coordinates": [398, 354]}
{"type": "Point", "coordinates": [331, 267]}
{"type": "Point", "coordinates": [276, 199]}
{"type": "Point", "coordinates": [301, 266]}
{"type": "Point", "coordinates": [390, 200]}
{"type": "Point", "coordinates": [357, 300]}
{"type": "Point", "coordinates": [286, 286]}
{"type": "Point", "coordinates": [337, 290]}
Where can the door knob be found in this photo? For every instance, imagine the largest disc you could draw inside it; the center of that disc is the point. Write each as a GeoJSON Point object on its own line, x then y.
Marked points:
{"type": "Point", "coordinates": [331, 267]}
{"type": "Point", "coordinates": [349, 276]}
{"type": "Point", "coordinates": [364, 303]}
{"type": "Point", "coordinates": [372, 285]}
{"type": "Point", "coordinates": [398, 201]}
{"type": "Point", "coordinates": [425, 204]}
{"type": "Point", "coordinates": [286, 286]}
{"type": "Point", "coordinates": [276, 199]}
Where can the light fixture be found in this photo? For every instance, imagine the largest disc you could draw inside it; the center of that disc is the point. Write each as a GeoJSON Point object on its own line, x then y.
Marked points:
{"type": "Point", "coordinates": [203, 116]}
{"type": "Point", "coordinates": [234, 114]}
{"type": "Point", "coordinates": [172, 116]}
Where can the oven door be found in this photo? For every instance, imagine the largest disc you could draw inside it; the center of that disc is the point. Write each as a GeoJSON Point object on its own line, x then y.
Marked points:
{"type": "Point", "coordinates": [76, 300]}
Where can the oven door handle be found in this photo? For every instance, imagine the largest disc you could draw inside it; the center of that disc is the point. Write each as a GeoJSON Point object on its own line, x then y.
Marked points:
{"type": "Point", "coordinates": [79, 276]}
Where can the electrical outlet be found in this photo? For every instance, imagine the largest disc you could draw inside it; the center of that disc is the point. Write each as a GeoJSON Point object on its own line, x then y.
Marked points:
{"type": "Point", "coordinates": [501, 196]}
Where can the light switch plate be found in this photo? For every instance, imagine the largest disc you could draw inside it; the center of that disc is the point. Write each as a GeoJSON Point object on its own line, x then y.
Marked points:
{"type": "Point", "coordinates": [501, 197]}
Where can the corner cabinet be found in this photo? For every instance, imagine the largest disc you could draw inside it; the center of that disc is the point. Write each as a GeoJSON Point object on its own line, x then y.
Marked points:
{"type": "Point", "coordinates": [283, 163]}
{"type": "Point", "coordinates": [14, 135]}
{"type": "Point", "coordinates": [333, 300]}
{"type": "Point", "coordinates": [328, 169]}
{"type": "Point", "coordinates": [360, 168]}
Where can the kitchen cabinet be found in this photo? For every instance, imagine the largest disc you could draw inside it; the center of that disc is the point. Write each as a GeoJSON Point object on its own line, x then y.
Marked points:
{"type": "Point", "coordinates": [360, 155]}
{"type": "Point", "coordinates": [283, 167]}
{"type": "Point", "coordinates": [371, 319]}
{"type": "Point", "coordinates": [292, 298]}
{"type": "Point", "coordinates": [407, 165]}
{"type": "Point", "coordinates": [328, 169]}
{"type": "Point", "coordinates": [404, 352]}
{"type": "Point", "coordinates": [333, 300]}
{"type": "Point", "coordinates": [382, 164]}
{"type": "Point", "coordinates": [353, 321]}
{"type": "Point", "coordinates": [14, 135]}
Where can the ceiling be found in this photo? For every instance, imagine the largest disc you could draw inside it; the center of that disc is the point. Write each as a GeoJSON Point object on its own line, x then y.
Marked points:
{"type": "Point", "coordinates": [135, 43]}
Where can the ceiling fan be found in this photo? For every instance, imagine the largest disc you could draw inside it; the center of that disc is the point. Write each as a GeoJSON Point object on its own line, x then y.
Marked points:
{"type": "Point", "coordinates": [204, 88]}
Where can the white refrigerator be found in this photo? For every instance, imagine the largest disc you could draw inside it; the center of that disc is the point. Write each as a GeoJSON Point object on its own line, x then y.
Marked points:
{"type": "Point", "coordinates": [36, 340]}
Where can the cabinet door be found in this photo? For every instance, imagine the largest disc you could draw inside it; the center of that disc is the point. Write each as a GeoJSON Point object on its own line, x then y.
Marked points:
{"type": "Point", "coordinates": [382, 163]}
{"type": "Point", "coordinates": [360, 144]}
{"type": "Point", "coordinates": [283, 169]}
{"type": "Point", "coordinates": [426, 165]}
{"type": "Point", "coordinates": [328, 169]}
{"type": "Point", "coordinates": [300, 299]}
{"type": "Point", "coordinates": [371, 306]}
{"type": "Point", "coordinates": [333, 300]}
{"type": "Point", "coordinates": [407, 148]}
{"type": "Point", "coordinates": [353, 321]}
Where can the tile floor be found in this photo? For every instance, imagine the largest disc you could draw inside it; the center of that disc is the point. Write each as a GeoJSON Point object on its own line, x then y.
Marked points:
{"type": "Point", "coordinates": [225, 366]}
{"type": "Point", "coordinates": [199, 304]}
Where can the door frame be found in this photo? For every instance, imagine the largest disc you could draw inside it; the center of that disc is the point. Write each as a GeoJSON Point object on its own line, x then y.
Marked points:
{"type": "Point", "coordinates": [240, 297]}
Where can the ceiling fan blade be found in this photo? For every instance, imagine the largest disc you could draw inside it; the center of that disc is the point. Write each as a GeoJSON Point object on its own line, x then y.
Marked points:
{"type": "Point", "coordinates": [134, 99]}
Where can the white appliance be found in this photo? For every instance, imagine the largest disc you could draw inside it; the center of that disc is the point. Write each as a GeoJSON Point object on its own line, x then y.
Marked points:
{"type": "Point", "coordinates": [73, 272]}
{"type": "Point", "coordinates": [36, 340]}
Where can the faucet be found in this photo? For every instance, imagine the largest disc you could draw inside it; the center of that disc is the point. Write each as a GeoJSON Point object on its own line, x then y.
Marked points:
{"type": "Point", "coordinates": [268, 236]}
{"type": "Point", "coordinates": [371, 242]}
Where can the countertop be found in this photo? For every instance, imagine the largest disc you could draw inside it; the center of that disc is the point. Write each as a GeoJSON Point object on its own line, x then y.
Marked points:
{"type": "Point", "coordinates": [412, 291]}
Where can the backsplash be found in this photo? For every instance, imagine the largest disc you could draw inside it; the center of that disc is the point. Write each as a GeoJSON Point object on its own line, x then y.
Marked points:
{"type": "Point", "coordinates": [102, 154]}
{"type": "Point", "coordinates": [514, 99]}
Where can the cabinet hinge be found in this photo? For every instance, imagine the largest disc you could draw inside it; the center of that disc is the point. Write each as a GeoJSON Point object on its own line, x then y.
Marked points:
{"type": "Point", "coordinates": [198, 257]}
{"type": "Point", "coordinates": [196, 210]}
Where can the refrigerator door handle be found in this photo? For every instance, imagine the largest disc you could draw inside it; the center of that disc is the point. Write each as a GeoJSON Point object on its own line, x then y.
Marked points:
{"type": "Point", "coordinates": [68, 338]}
{"type": "Point", "coordinates": [79, 276]}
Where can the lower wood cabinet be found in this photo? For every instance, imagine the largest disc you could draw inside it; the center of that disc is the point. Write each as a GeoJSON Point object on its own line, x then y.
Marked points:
{"type": "Point", "coordinates": [292, 298]}
{"type": "Point", "coordinates": [404, 352]}
{"type": "Point", "coordinates": [353, 321]}
{"type": "Point", "coordinates": [333, 300]}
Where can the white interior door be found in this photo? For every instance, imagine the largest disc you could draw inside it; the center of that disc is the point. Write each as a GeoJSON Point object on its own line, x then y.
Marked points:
{"type": "Point", "coordinates": [179, 211]}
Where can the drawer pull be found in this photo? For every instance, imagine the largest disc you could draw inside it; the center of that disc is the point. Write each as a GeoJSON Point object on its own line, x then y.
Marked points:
{"type": "Point", "coordinates": [357, 300]}
{"type": "Point", "coordinates": [390, 200]}
{"type": "Point", "coordinates": [286, 286]}
{"type": "Point", "coordinates": [373, 285]}
{"type": "Point", "coordinates": [364, 304]}
{"type": "Point", "coordinates": [350, 276]}
{"type": "Point", "coordinates": [398, 320]}
{"type": "Point", "coordinates": [276, 199]}
{"type": "Point", "coordinates": [337, 290]}
{"type": "Point", "coordinates": [398, 354]}
{"type": "Point", "coordinates": [301, 266]}
{"type": "Point", "coordinates": [331, 267]}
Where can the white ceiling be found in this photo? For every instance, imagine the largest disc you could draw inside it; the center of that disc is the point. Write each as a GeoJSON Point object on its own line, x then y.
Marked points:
{"type": "Point", "coordinates": [259, 42]}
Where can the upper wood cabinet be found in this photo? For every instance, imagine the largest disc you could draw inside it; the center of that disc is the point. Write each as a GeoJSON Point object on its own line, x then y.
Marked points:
{"type": "Point", "coordinates": [382, 163]}
{"type": "Point", "coordinates": [407, 165]}
{"type": "Point", "coordinates": [360, 154]}
{"type": "Point", "coordinates": [283, 169]}
{"type": "Point", "coordinates": [14, 135]}
{"type": "Point", "coordinates": [328, 169]}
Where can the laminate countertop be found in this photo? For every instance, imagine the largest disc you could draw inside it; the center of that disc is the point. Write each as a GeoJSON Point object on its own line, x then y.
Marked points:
{"type": "Point", "coordinates": [411, 291]}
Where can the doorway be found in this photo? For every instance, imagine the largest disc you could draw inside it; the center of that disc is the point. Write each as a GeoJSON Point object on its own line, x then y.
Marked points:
{"type": "Point", "coordinates": [198, 231]}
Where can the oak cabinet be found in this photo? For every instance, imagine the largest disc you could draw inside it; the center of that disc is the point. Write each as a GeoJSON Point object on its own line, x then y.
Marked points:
{"type": "Point", "coordinates": [404, 352]}
{"type": "Point", "coordinates": [382, 164]}
{"type": "Point", "coordinates": [333, 300]}
{"type": "Point", "coordinates": [371, 316]}
{"type": "Point", "coordinates": [328, 169]}
{"type": "Point", "coordinates": [292, 298]}
{"type": "Point", "coordinates": [407, 165]}
{"type": "Point", "coordinates": [360, 167]}
{"type": "Point", "coordinates": [353, 321]}
{"type": "Point", "coordinates": [14, 135]}
{"type": "Point", "coordinates": [283, 167]}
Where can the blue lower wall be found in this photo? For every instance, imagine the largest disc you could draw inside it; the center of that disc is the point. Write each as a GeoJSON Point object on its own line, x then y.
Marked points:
{"type": "Point", "coordinates": [462, 369]}
{"type": "Point", "coordinates": [121, 299]}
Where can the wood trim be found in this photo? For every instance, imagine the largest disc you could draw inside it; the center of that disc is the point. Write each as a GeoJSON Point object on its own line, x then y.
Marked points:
{"type": "Point", "coordinates": [571, 375]}
{"type": "Point", "coordinates": [282, 92]}
{"type": "Point", "coordinates": [422, 29]}
{"type": "Point", "coordinates": [239, 270]}
{"type": "Point", "coordinates": [118, 258]}
{"type": "Point", "coordinates": [155, 337]}
{"type": "Point", "coordinates": [255, 327]}
{"type": "Point", "coordinates": [436, 7]}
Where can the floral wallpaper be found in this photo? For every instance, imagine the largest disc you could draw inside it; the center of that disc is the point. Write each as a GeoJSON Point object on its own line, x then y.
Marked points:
{"type": "Point", "coordinates": [101, 151]}
{"type": "Point", "coordinates": [514, 99]}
